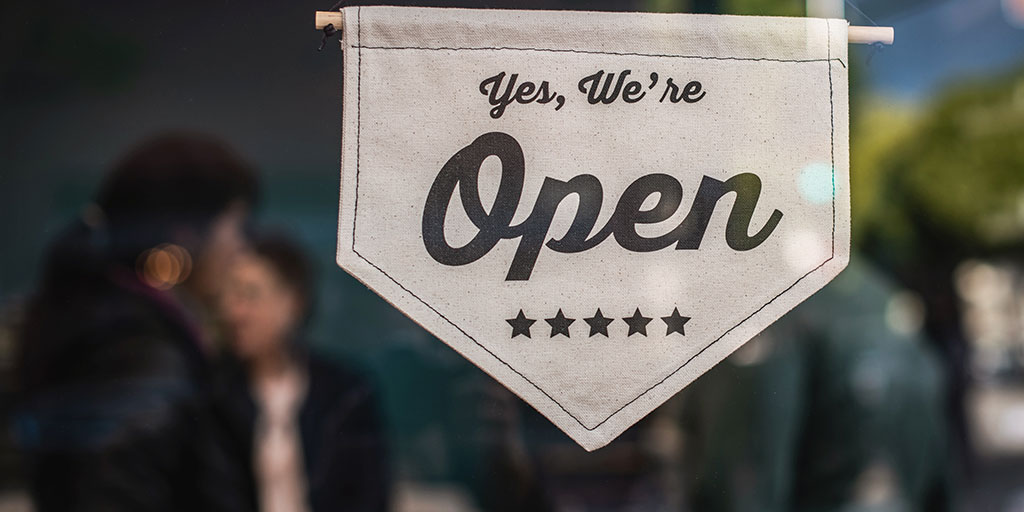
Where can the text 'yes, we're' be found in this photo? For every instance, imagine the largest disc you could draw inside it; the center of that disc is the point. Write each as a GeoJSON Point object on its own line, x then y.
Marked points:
{"type": "Point", "coordinates": [599, 88]}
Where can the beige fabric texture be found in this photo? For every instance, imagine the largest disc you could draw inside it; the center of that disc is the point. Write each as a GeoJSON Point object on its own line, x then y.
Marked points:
{"type": "Point", "coordinates": [465, 211]}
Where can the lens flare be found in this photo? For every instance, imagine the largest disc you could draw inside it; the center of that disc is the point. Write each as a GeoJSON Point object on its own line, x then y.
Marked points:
{"type": "Point", "coordinates": [816, 183]}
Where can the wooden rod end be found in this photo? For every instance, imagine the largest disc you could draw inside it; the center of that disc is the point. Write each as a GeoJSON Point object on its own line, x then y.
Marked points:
{"type": "Point", "coordinates": [324, 18]}
{"type": "Point", "coordinates": [871, 35]}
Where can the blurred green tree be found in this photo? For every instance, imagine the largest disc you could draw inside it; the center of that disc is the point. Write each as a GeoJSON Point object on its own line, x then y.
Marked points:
{"type": "Point", "coordinates": [953, 180]}
{"type": "Point", "coordinates": [933, 189]}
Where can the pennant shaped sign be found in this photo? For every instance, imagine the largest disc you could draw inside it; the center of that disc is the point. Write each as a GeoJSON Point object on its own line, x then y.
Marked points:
{"type": "Point", "coordinates": [594, 208]}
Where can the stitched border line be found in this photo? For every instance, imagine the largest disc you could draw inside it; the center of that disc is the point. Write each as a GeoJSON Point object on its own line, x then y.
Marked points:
{"type": "Point", "coordinates": [359, 120]}
{"type": "Point", "coordinates": [590, 52]}
{"type": "Point", "coordinates": [355, 215]}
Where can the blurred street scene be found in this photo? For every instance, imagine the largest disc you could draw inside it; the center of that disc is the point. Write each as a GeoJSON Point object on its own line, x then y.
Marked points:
{"type": "Point", "coordinates": [899, 387]}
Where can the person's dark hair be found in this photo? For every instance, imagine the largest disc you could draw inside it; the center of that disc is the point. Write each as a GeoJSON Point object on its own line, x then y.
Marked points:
{"type": "Point", "coordinates": [165, 184]}
{"type": "Point", "coordinates": [291, 264]}
{"type": "Point", "coordinates": [177, 176]}
{"type": "Point", "coordinates": [169, 181]}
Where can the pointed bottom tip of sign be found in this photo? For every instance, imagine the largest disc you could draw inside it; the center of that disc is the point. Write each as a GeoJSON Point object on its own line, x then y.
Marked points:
{"type": "Point", "coordinates": [593, 443]}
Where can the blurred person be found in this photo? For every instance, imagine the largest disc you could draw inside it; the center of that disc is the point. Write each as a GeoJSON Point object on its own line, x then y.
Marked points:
{"type": "Point", "coordinates": [113, 351]}
{"type": "Point", "coordinates": [488, 451]}
{"type": "Point", "coordinates": [839, 406]}
{"type": "Point", "coordinates": [307, 429]}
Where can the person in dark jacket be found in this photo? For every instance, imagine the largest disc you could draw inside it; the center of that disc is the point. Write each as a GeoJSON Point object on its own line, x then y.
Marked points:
{"type": "Point", "coordinates": [308, 430]}
{"type": "Point", "coordinates": [837, 407]}
{"type": "Point", "coordinates": [112, 356]}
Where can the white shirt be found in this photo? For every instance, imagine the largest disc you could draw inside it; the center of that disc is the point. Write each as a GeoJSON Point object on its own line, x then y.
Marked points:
{"type": "Point", "coordinates": [278, 461]}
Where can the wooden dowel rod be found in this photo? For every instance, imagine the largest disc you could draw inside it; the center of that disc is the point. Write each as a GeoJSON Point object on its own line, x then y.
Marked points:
{"type": "Point", "coordinates": [324, 18]}
{"type": "Point", "coordinates": [857, 35]}
{"type": "Point", "coordinates": [870, 35]}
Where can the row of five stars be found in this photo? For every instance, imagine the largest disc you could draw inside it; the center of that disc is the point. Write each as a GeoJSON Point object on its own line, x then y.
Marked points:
{"type": "Point", "coordinates": [598, 323]}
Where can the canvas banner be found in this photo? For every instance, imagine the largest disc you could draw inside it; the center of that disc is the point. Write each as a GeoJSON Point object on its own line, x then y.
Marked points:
{"type": "Point", "coordinates": [594, 208]}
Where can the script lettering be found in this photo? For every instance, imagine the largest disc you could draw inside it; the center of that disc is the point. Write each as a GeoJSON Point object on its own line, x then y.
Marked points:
{"type": "Point", "coordinates": [462, 171]}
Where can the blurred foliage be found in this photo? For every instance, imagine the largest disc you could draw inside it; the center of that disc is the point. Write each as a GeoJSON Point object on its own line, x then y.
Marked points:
{"type": "Point", "coordinates": [965, 166]}
{"type": "Point", "coordinates": [765, 7]}
{"type": "Point", "coordinates": [877, 131]}
{"type": "Point", "coordinates": [954, 175]}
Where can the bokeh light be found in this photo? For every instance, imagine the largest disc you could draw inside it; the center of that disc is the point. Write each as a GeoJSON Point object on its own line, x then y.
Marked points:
{"type": "Point", "coordinates": [816, 183]}
{"type": "Point", "coordinates": [165, 266]}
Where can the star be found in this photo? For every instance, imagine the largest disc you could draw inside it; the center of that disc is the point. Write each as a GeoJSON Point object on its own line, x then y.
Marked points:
{"type": "Point", "coordinates": [598, 323]}
{"type": "Point", "coordinates": [675, 322]}
{"type": "Point", "coordinates": [520, 324]}
{"type": "Point", "coordinates": [560, 324]}
{"type": "Point", "coordinates": [637, 323]}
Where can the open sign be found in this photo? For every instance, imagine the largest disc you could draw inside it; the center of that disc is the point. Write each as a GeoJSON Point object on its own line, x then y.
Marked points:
{"type": "Point", "coordinates": [595, 208]}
